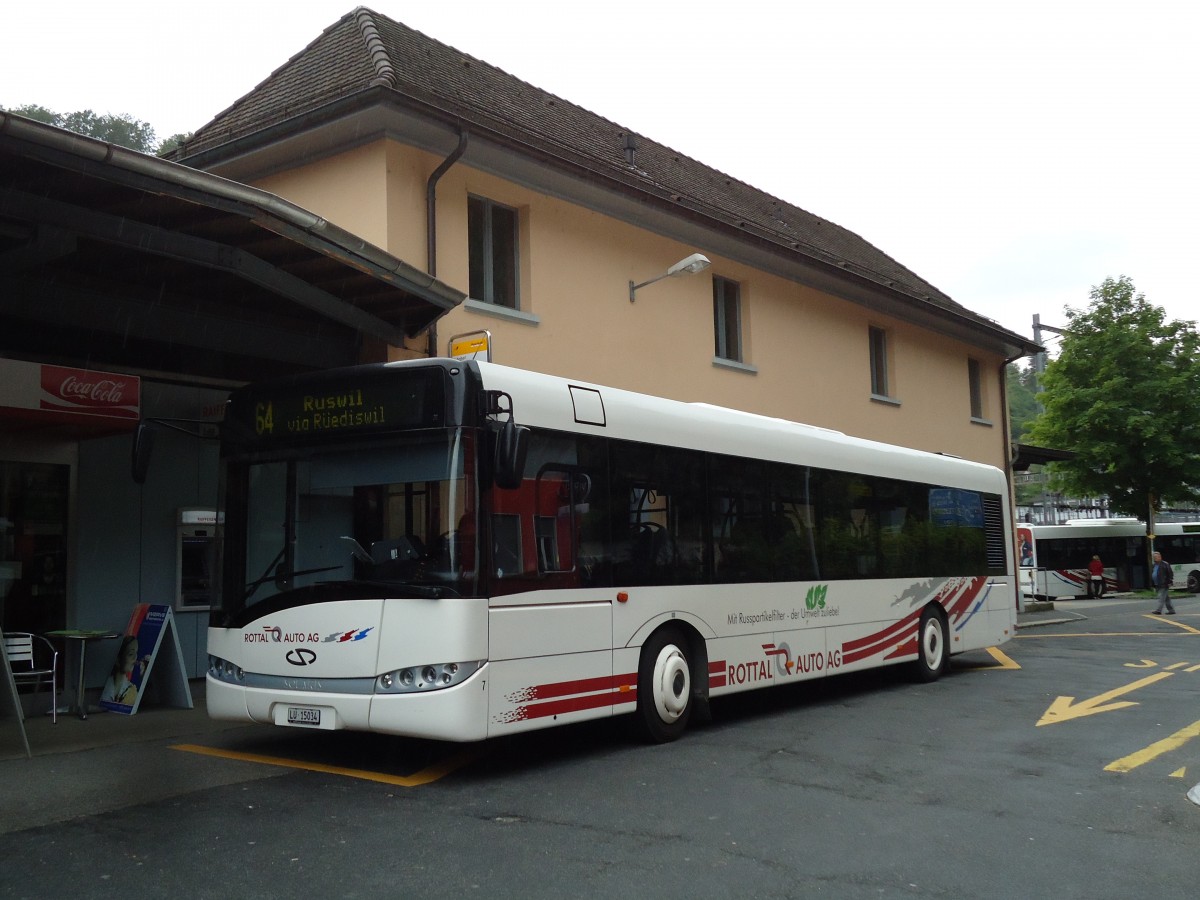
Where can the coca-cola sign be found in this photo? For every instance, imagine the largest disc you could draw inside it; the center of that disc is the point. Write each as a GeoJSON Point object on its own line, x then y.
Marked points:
{"type": "Point", "coordinates": [90, 393]}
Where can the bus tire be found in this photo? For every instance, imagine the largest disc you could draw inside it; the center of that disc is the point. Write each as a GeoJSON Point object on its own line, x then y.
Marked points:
{"type": "Point", "coordinates": [664, 688]}
{"type": "Point", "coordinates": [1193, 582]}
{"type": "Point", "coordinates": [932, 652]}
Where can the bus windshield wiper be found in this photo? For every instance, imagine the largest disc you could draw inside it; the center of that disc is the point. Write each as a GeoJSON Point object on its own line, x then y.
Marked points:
{"type": "Point", "coordinates": [282, 579]}
{"type": "Point", "coordinates": [267, 575]}
{"type": "Point", "coordinates": [431, 592]}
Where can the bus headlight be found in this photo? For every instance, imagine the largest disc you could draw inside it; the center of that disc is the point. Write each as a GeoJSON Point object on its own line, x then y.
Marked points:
{"type": "Point", "coordinates": [224, 670]}
{"type": "Point", "coordinates": [428, 677]}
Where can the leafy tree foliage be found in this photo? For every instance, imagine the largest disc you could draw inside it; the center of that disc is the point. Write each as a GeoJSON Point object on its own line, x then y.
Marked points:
{"type": "Point", "coordinates": [1124, 394]}
{"type": "Point", "coordinates": [38, 114]}
{"type": "Point", "coordinates": [1022, 399]}
{"type": "Point", "coordinates": [122, 130]}
{"type": "Point", "coordinates": [174, 141]}
{"type": "Point", "coordinates": [1022, 410]}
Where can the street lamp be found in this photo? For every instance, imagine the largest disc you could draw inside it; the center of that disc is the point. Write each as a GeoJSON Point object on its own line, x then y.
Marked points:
{"type": "Point", "coordinates": [697, 262]}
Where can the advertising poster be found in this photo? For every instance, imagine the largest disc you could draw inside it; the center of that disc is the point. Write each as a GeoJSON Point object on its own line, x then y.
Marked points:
{"type": "Point", "coordinates": [135, 658]}
{"type": "Point", "coordinates": [1025, 546]}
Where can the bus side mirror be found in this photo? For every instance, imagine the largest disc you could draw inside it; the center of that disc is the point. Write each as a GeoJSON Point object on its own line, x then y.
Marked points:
{"type": "Point", "coordinates": [143, 445]}
{"type": "Point", "coordinates": [512, 446]}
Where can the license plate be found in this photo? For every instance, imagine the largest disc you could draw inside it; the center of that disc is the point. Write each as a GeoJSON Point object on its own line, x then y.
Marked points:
{"type": "Point", "coordinates": [304, 715]}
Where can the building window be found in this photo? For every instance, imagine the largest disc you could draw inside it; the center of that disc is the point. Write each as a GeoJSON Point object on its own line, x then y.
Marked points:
{"type": "Point", "coordinates": [34, 503]}
{"type": "Point", "coordinates": [727, 318]}
{"type": "Point", "coordinates": [975, 382]}
{"type": "Point", "coordinates": [492, 235]}
{"type": "Point", "coordinates": [879, 362]}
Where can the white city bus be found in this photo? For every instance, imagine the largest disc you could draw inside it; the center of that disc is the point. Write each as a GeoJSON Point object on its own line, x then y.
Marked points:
{"type": "Point", "coordinates": [460, 550]}
{"type": "Point", "coordinates": [1054, 558]}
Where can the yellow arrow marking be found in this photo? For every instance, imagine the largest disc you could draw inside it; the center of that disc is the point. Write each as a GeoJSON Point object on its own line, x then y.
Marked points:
{"type": "Point", "coordinates": [1155, 750]}
{"type": "Point", "coordinates": [1144, 664]}
{"type": "Point", "coordinates": [1180, 772]}
{"type": "Point", "coordinates": [1064, 708]}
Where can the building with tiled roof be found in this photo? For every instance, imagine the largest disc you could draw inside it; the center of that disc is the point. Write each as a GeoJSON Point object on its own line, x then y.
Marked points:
{"type": "Point", "coordinates": [546, 215]}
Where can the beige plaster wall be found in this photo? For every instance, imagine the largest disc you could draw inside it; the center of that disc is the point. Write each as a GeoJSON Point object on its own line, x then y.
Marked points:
{"type": "Point", "coordinates": [347, 189]}
{"type": "Point", "coordinates": [808, 350]}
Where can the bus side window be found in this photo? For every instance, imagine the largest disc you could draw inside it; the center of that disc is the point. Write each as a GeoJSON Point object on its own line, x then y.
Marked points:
{"type": "Point", "coordinates": [549, 532]}
{"type": "Point", "coordinates": [506, 545]}
{"type": "Point", "coordinates": [741, 532]}
{"type": "Point", "coordinates": [658, 515]}
{"type": "Point", "coordinates": [554, 519]}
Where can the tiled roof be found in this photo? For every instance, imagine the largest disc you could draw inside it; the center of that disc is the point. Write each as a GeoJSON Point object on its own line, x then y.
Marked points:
{"type": "Point", "coordinates": [364, 51]}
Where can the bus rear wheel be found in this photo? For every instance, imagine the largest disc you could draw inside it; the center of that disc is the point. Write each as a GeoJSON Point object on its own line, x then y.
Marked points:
{"type": "Point", "coordinates": [664, 688]}
{"type": "Point", "coordinates": [1193, 582]}
{"type": "Point", "coordinates": [932, 655]}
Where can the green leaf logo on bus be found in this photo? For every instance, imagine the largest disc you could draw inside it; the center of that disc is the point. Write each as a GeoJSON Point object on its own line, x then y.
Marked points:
{"type": "Point", "coordinates": [815, 599]}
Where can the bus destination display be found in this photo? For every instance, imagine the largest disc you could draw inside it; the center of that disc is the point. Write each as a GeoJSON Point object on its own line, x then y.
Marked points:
{"type": "Point", "coordinates": [369, 404]}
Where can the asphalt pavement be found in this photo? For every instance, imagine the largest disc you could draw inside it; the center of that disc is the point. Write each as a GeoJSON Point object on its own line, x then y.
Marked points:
{"type": "Point", "coordinates": [157, 724]}
{"type": "Point", "coordinates": [74, 766]}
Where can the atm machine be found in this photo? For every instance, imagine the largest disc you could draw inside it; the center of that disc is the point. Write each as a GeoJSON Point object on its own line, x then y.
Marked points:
{"type": "Point", "coordinates": [195, 530]}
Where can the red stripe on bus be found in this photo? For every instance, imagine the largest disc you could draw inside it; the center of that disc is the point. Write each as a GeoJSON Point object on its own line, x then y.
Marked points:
{"type": "Point", "coordinates": [906, 649]}
{"type": "Point", "coordinates": [717, 675]}
{"type": "Point", "coordinates": [577, 704]}
{"type": "Point", "coordinates": [890, 634]}
{"type": "Point", "coordinates": [966, 595]}
{"type": "Point", "coordinates": [582, 685]}
{"type": "Point", "coordinates": [888, 638]}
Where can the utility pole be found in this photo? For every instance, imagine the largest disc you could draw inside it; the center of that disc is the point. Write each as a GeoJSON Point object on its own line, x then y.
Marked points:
{"type": "Point", "coordinates": [1039, 366]}
{"type": "Point", "coordinates": [1039, 359]}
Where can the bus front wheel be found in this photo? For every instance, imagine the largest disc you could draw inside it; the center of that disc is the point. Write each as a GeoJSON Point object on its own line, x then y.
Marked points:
{"type": "Point", "coordinates": [931, 646]}
{"type": "Point", "coordinates": [1193, 582]}
{"type": "Point", "coordinates": [664, 688]}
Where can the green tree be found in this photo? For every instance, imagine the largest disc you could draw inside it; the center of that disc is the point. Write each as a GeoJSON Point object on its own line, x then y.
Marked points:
{"type": "Point", "coordinates": [122, 130]}
{"type": "Point", "coordinates": [1124, 394]}
{"type": "Point", "coordinates": [173, 142]}
{"type": "Point", "coordinates": [1022, 399]}
{"type": "Point", "coordinates": [39, 114]}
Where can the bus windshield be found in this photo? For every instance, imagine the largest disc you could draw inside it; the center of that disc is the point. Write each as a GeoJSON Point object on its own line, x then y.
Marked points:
{"type": "Point", "coordinates": [393, 518]}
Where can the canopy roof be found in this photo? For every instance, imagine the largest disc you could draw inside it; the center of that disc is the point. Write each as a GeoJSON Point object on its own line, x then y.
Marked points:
{"type": "Point", "coordinates": [112, 258]}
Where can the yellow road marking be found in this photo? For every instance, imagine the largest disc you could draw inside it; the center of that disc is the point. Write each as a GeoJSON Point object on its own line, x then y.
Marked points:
{"type": "Point", "coordinates": [425, 776]}
{"type": "Point", "coordinates": [1155, 750]}
{"type": "Point", "coordinates": [1002, 662]}
{"type": "Point", "coordinates": [1002, 658]}
{"type": "Point", "coordinates": [1180, 772]}
{"type": "Point", "coordinates": [1178, 624]}
{"type": "Point", "coordinates": [1110, 633]}
{"type": "Point", "coordinates": [1065, 708]}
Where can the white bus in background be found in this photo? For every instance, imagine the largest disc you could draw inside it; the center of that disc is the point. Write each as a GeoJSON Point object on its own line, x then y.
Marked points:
{"type": "Point", "coordinates": [1179, 543]}
{"type": "Point", "coordinates": [1054, 558]}
{"type": "Point", "coordinates": [460, 550]}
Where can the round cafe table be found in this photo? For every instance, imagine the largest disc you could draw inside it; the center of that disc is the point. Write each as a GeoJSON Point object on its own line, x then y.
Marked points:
{"type": "Point", "coordinates": [82, 636]}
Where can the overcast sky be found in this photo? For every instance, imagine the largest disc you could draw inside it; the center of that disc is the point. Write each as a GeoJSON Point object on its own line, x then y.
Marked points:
{"type": "Point", "coordinates": [1013, 154]}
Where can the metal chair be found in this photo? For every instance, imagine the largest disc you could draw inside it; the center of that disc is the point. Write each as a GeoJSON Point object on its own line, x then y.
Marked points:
{"type": "Point", "coordinates": [33, 660]}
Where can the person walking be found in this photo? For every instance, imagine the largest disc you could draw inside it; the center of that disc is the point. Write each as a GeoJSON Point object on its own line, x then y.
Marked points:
{"type": "Point", "coordinates": [1096, 578]}
{"type": "Point", "coordinates": [1161, 578]}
